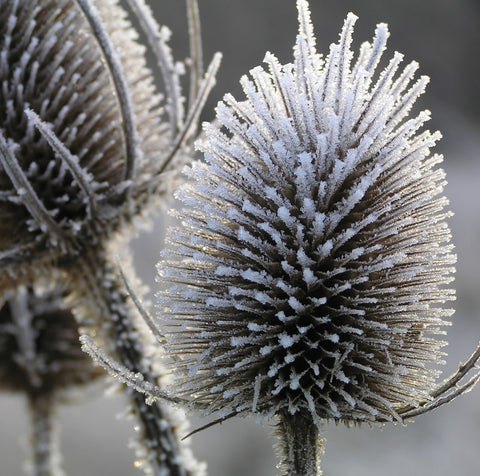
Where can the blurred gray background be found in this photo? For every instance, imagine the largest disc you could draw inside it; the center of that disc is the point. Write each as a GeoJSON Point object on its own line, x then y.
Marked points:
{"type": "Point", "coordinates": [444, 36]}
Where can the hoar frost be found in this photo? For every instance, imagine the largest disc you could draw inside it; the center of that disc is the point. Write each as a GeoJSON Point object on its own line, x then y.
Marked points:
{"type": "Point", "coordinates": [313, 259]}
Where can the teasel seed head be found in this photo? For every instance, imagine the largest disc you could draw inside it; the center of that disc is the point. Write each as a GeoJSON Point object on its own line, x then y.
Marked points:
{"type": "Point", "coordinates": [309, 272]}
{"type": "Point", "coordinates": [83, 136]}
{"type": "Point", "coordinates": [41, 358]}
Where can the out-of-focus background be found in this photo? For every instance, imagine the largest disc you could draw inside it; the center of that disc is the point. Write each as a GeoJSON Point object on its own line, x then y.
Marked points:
{"type": "Point", "coordinates": [444, 37]}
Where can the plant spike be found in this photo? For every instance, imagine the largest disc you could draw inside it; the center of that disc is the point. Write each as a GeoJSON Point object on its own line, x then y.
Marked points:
{"type": "Point", "coordinates": [196, 53]}
{"type": "Point", "coordinates": [157, 39]}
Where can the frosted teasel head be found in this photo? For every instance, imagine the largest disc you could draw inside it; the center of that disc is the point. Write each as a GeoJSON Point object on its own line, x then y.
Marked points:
{"type": "Point", "coordinates": [84, 136]}
{"type": "Point", "coordinates": [308, 274]}
{"type": "Point", "coordinates": [311, 268]}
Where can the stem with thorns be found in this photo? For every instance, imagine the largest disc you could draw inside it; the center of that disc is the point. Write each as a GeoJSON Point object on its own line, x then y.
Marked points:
{"type": "Point", "coordinates": [106, 291]}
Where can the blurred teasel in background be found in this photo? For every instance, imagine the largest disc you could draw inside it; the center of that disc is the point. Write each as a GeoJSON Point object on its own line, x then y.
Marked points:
{"type": "Point", "coordinates": [85, 143]}
{"type": "Point", "coordinates": [309, 273]}
{"type": "Point", "coordinates": [40, 357]}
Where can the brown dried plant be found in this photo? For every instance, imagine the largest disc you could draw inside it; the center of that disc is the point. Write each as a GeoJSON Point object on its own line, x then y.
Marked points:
{"type": "Point", "coordinates": [87, 148]}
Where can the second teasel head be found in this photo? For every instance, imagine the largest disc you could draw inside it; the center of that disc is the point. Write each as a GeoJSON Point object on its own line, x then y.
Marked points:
{"type": "Point", "coordinates": [39, 348]}
{"type": "Point", "coordinates": [83, 137]}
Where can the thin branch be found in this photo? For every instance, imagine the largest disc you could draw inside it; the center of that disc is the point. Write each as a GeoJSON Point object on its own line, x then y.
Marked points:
{"type": "Point", "coordinates": [157, 40]}
{"type": "Point", "coordinates": [438, 402]}
{"type": "Point", "coordinates": [146, 316]}
{"type": "Point", "coordinates": [463, 369]}
{"type": "Point", "coordinates": [194, 113]}
{"type": "Point", "coordinates": [438, 397]}
{"type": "Point", "coordinates": [133, 380]}
{"type": "Point", "coordinates": [212, 423]}
{"type": "Point", "coordinates": [196, 52]}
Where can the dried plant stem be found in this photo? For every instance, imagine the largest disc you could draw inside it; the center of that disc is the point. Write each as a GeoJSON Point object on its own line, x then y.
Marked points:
{"type": "Point", "coordinates": [156, 436]}
{"type": "Point", "coordinates": [46, 457]}
{"type": "Point", "coordinates": [300, 445]}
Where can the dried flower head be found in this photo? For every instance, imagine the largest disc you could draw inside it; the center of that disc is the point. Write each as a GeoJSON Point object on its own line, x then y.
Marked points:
{"type": "Point", "coordinates": [85, 140]}
{"type": "Point", "coordinates": [309, 272]}
{"type": "Point", "coordinates": [308, 277]}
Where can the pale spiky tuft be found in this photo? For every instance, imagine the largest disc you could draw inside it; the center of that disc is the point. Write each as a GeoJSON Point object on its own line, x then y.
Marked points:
{"type": "Point", "coordinates": [310, 271]}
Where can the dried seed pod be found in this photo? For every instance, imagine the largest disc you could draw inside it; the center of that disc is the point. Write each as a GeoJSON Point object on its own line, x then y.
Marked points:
{"type": "Point", "coordinates": [309, 271]}
{"type": "Point", "coordinates": [308, 275]}
{"type": "Point", "coordinates": [63, 190]}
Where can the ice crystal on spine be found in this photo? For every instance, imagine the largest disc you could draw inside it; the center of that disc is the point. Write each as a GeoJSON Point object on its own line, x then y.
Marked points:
{"type": "Point", "coordinates": [311, 268]}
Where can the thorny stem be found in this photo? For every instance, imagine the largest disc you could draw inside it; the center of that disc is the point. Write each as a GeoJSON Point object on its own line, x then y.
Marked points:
{"type": "Point", "coordinates": [46, 457]}
{"type": "Point", "coordinates": [300, 445]}
{"type": "Point", "coordinates": [157, 436]}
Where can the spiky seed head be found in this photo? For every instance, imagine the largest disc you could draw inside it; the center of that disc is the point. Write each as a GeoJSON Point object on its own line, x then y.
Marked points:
{"type": "Point", "coordinates": [52, 64]}
{"type": "Point", "coordinates": [39, 348]}
{"type": "Point", "coordinates": [312, 261]}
